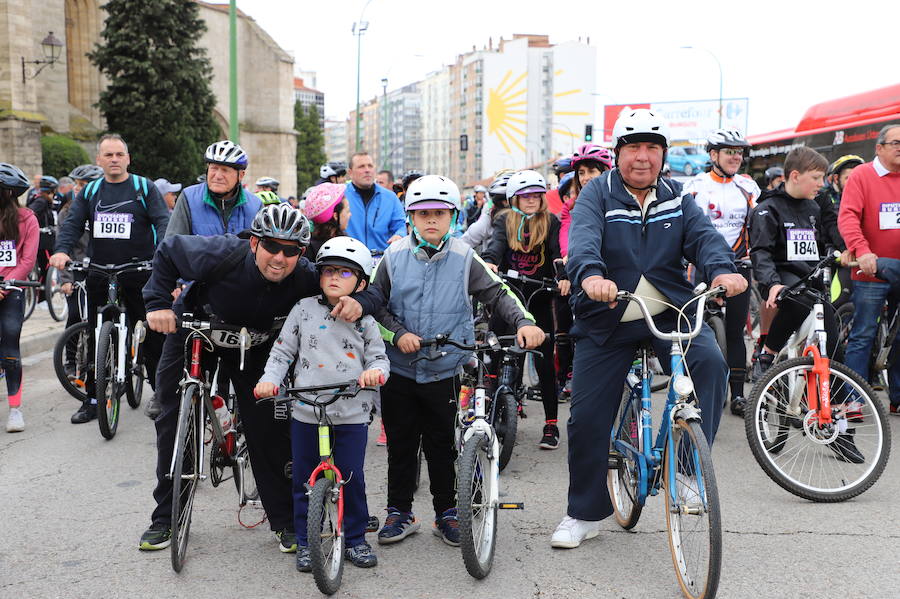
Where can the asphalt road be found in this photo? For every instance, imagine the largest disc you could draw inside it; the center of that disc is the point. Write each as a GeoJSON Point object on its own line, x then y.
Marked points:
{"type": "Point", "coordinates": [75, 505]}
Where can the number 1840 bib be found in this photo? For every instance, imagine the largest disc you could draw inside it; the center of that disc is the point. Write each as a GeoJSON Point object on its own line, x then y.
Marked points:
{"type": "Point", "coordinates": [801, 245]}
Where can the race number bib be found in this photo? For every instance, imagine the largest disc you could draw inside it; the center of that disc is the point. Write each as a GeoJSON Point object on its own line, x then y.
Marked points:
{"type": "Point", "coordinates": [801, 245]}
{"type": "Point", "coordinates": [232, 340]}
{"type": "Point", "coordinates": [112, 225]}
{"type": "Point", "coordinates": [7, 253]}
{"type": "Point", "coordinates": [889, 216]}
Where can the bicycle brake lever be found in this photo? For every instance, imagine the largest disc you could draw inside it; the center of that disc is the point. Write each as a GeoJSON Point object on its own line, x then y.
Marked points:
{"type": "Point", "coordinates": [244, 342]}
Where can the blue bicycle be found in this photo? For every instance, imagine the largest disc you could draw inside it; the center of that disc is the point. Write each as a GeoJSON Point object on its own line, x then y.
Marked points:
{"type": "Point", "coordinates": [678, 462]}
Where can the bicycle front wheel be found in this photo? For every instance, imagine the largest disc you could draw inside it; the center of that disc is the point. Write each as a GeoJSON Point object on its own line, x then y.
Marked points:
{"type": "Point", "coordinates": [476, 511]}
{"type": "Point", "coordinates": [693, 519]}
{"type": "Point", "coordinates": [325, 534]}
{"type": "Point", "coordinates": [826, 463]}
{"type": "Point", "coordinates": [506, 423]}
{"type": "Point", "coordinates": [623, 481]}
{"type": "Point", "coordinates": [56, 299]}
{"type": "Point", "coordinates": [71, 359]}
{"type": "Point", "coordinates": [107, 395]}
{"type": "Point", "coordinates": [186, 471]}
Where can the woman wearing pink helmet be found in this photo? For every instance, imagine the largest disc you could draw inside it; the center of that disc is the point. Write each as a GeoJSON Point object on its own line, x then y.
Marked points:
{"type": "Point", "coordinates": [588, 162]}
{"type": "Point", "coordinates": [329, 211]}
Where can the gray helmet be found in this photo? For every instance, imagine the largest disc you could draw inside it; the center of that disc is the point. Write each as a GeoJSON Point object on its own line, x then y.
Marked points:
{"type": "Point", "coordinates": [773, 172]}
{"type": "Point", "coordinates": [281, 221]}
{"type": "Point", "coordinates": [86, 172]}
{"type": "Point", "coordinates": [227, 153]}
{"type": "Point", "coordinates": [268, 182]}
{"type": "Point", "coordinates": [12, 177]}
{"type": "Point", "coordinates": [480, 188]}
{"type": "Point", "coordinates": [498, 186]}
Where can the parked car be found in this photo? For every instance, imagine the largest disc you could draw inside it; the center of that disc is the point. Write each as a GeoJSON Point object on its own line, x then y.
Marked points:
{"type": "Point", "coordinates": [687, 159]}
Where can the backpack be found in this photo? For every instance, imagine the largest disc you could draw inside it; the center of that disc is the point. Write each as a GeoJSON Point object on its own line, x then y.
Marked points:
{"type": "Point", "coordinates": [141, 190]}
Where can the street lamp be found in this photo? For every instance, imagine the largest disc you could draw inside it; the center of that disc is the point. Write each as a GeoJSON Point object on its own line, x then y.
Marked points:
{"type": "Point", "coordinates": [384, 120]}
{"type": "Point", "coordinates": [51, 48]}
{"type": "Point", "coordinates": [716, 58]}
{"type": "Point", "coordinates": [358, 29]}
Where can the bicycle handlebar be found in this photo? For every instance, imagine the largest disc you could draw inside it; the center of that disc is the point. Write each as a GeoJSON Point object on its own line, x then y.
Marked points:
{"type": "Point", "coordinates": [14, 285]}
{"type": "Point", "coordinates": [345, 389]}
{"type": "Point", "coordinates": [187, 322]}
{"type": "Point", "coordinates": [795, 288]}
{"type": "Point", "coordinates": [546, 282]}
{"type": "Point", "coordinates": [700, 296]}
{"type": "Point", "coordinates": [494, 343]}
{"type": "Point", "coordinates": [86, 265]}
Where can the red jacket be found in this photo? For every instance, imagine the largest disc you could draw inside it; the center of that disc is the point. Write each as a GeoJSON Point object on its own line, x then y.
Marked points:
{"type": "Point", "coordinates": [870, 206]}
{"type": "Point", "coordinates": [26, 248]}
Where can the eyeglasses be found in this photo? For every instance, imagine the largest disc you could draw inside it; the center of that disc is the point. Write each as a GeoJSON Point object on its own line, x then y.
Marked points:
{"type": "Point", "coordinates": [732, 151]}
{"type": "Point", "coordinates": [273, 247]}
{"type": "Point", "coordinates": [330, 271]}
{"type": "Point", "coordinates": [894, 144]}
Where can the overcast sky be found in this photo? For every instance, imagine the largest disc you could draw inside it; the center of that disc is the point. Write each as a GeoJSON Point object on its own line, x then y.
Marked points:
{"type": "Point", "coordinates": [784, 56]}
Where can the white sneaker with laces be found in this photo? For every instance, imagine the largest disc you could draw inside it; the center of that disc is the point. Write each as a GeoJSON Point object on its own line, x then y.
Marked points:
{"type": "Point", "coordinates": [15, 423]}
{"type": "Point", "coordinates": [571, 532]}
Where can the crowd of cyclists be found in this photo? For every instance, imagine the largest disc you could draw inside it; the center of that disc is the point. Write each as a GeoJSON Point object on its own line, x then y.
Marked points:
{"type": "Point", "coordinates": [348, 280]}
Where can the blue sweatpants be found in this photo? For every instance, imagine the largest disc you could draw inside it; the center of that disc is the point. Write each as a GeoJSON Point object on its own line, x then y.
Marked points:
{"type": "Point", "coordinates": [598, 379]}
{"type": "Point", "coordinates": [349, 450]}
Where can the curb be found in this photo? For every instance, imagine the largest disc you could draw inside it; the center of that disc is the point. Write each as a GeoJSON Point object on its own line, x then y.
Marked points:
{"type": "Point", "coordinates": [41, 341]}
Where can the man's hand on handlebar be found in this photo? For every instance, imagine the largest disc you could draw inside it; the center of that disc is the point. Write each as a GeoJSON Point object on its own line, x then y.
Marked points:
{"type": "Point", "coordinates": [600, 290]}
{"type": "Point", "coordinates": [59, 260]}
{"type": "Point", "coordinates": [263, 389]}
{"type": "Point", "coordinates": [369, 378]}
{"type": "Point", "coordinates": [162, 321]}
{"type": "Point", "coordinates": [733, 283]}
{"type": "Point", "coordinates": [868, 263]}
{"type": "Point", "coordinates": [530, 336]}
{"type": "Point", "coordinates": [347, 309]}
{"type": "Point", "coordinates": [773, 296]}
{"type": "Point", "coordinates": [564, 287]}
{"type": "Point", "coordinates": [409, 343]}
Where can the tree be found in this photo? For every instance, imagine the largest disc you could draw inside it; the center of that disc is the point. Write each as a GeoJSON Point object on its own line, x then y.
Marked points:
{"type": "Point", "coordinates": [159, 97]}
{"type": "Point", "coordinates": [60, 154]}
{"type": "Point", "coordinates": [310, 145]}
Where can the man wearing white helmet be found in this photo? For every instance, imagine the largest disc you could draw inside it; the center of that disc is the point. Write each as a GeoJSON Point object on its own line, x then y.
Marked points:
{"type": "Point", "coordinates": [631, 231]}
{"type": "Point", "coordinates": [429, 278]}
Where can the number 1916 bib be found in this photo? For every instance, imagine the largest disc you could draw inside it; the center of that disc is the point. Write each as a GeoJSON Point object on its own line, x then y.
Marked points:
{"type": "Point", "coordinates": [801, 245]}
{"type": "Point", "coordinates": [7, 253]}
{"type": "Point", "coordinates": [112, 225]}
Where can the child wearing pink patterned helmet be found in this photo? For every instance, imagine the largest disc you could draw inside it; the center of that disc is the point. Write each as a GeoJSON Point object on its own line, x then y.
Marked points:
{"type": "Point", "coordinates": [328, 209]}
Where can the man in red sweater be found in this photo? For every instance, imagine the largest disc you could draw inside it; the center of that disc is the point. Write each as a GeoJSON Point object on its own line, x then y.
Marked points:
{"type": "Point", "coordinates": [869, 222]}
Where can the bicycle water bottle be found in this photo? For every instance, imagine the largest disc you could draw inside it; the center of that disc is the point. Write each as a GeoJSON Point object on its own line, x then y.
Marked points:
{"type": "Point", "coordinates": [224, 417]}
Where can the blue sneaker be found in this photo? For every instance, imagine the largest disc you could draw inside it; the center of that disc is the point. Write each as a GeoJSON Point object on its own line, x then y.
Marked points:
{"type": "Point", "coordinates": [361, 556]}
{"type": "Point", "coordinates": [304, 560]}
{"type": "Point", "coordinates": [447, 527]}
{"type": "Point", "coordinates": [397, 526]}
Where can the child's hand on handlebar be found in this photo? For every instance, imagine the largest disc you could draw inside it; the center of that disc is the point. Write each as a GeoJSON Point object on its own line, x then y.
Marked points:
{"type": "Point", "coordinates": [733, 283]}
{"type": "Point", "coordinates": [409, 343]}
{"type": "Point", "coordinates": [773, 295]}
{"type": "Point", "coordinates": [564, 287]}
{"type": "Point", "coordinates": [265, 389]}
{"type": "Point", "coordinates": [370, 378]}
{"type": "Point", "coordinates": [530, 336]}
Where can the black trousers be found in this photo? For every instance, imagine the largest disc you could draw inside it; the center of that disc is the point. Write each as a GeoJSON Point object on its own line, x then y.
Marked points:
{"type": "Point", "coordinates": [268, 439]}
{"type": "Point", "coordinates": [413, 411]}
{"type": "Point", "coordinates": [736, 309]}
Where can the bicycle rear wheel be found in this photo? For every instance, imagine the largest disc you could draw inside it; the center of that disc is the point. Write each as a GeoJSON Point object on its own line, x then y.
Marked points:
{"type": "Point", "coordinates": [71, 352]}
{"type": "Point", "coordinates": [186, 472]}
{"type": "Point", "coordinates": [826, 464]}
{"type": "Point", "coordinates": [623, 480]}
{"type": "Point", "coordinates": [108, 397]}
{"type": "Point", "coordinates": [693, 521]}
{"type": "Point", "coordinates": [56, 299]}
{"type": "Point", "coordinates": [506, 423]}
{"type": "Point", "coordinates": [325, 534]}
{"type": "Point", "coordinates": [477, 513]}
{"type": "Point", "coordinates": [29, 297]}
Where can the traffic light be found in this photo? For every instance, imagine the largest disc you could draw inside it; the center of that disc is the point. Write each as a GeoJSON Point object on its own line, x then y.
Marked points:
{"type": "Point", "coordinates": [588, 133]}
{"type": "Point", "coordinates": [463, 143]}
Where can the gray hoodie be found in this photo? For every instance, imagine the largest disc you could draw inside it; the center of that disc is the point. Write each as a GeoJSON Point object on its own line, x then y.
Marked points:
{"type": "Point", "coordinates": [327, 351]}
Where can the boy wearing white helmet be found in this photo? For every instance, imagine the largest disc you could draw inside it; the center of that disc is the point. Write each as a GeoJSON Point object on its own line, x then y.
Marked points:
{"type": "Point", "coordinates": [324, 351]}
{"type": "Point", "coordinates": [429, 278]}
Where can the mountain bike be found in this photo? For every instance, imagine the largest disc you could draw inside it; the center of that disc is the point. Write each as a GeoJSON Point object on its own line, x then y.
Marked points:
{"type": "Point", "coordinates": [325, 487]}
{"type": "Point", "coordinates": [678, 461]}
{"type": "Point", "coordinates": [815, 427]}
{"type": "Point", "coordinates": [478, 462]}
{"type": "Point", "coordinates": [194, 410]}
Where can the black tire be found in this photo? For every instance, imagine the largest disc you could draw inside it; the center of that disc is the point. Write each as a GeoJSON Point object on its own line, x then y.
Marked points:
{"type": "Point", "coordinates": [75, 338]}
{"type": "Point", "coordinates": [242, 471]}
{"type": "Point", "coordinates": [718, 327]}
{"type": "Point", "coordinates": [687, 169]}
{"type": "Point", "coordinates": [506, 423]}
{"type": "Point", "coordinates": [419, 465]}
{"type": "Point", "coordinates": [108, 396]}
{"type": "Point", "coordinates": [56, 299]}
{"type": "Point", "coordinates": [698, 570]}
{"type": "Point", "coordinates": [477, 515]}
{"type": "Point", "coordinates": [134, 381]}
{"type": "Point", "coordinates": [186, 471]}
{"type": "Point", "coordinates": [815, 466]}
{"type": "Point", "coordinates": [326, 547]}
{"type": "Point", "coordinates": [29, 301]}
{"type": "Point", "coordinates": [623, 481]}
{"type": "Point", "coordinates": [843, 318]}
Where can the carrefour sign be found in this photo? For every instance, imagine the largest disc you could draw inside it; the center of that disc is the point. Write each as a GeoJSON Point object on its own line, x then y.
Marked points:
{"type": "Point", "coordinates": [691, 120]}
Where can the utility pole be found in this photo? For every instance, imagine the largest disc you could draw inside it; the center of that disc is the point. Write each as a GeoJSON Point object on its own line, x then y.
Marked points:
{"type": "Point", "coordinates": [233, 128]}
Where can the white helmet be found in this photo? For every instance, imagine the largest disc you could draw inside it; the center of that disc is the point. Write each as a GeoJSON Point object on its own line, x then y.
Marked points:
{"type": "Point", "coordinates": [228, 153]}
{"type": "Point", "coordinates": [639, 125]}
{"type": "Point", "coordinates": [268, 182]}
{"type": "Point", "coordinates": [525, 182]}
{"type": "Point", "coordinates": [432, 192]}
{"type": "Point", "coordinates": [726, 138]}
{"type": "Point", "coordinates": [345, 251]}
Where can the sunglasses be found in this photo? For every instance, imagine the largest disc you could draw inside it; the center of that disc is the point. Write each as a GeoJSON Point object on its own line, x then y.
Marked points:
{"type": "Point", "coordinates": [732, 151]}
{"type": "Point", "coordinates": [273, 247]}
{"type": "Point", "coordinates": [330, 271]}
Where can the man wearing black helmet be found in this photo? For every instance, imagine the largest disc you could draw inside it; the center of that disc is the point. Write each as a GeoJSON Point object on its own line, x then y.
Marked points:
{"type": "Point", "coordinates": [774, 177]}
{"type": "Point", "coordinates": [332, 172]}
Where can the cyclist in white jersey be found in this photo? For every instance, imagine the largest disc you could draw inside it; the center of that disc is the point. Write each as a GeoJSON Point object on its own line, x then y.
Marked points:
{"type": "Point", "coordinates": [727, 198]}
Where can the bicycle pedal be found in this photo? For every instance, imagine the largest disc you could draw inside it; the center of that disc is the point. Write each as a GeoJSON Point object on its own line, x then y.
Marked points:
{"type": "Point", "coordinates": [511, 506]}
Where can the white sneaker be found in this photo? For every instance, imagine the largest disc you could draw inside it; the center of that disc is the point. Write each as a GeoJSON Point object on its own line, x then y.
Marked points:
{"type": "Point", "coordinates": [571, 532]}
{"type": "Point", "coordinates": [688, 488]}
{"type": "Point", "coordinates": [15, 424]}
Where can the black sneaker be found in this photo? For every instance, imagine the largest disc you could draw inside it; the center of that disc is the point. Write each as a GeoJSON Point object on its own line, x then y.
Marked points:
{"type": "Point", "coordinates": [153, 407]}
{"type": "Point", "coordinates": [763, 363]}
{"type": "Point", "coordinates": [361, 556]}
{"type": "Point", "coordinates": [447, 527]}
{"type": "Point", "coordinates": [158, 536]}
{"type": "Point", "coordinates": [304, 561]}
{"type": "Point", "coordinates": [372, 524]}
{"type": "Point", "coordinates": [737, 406]}
{"type": "Point", "coordinates": [85, 413]}
{"type": "Point", "coordinates": [287, 541]}
{"type": "Point", "coordinates": [550, 439]}
{"type": "Point", "coordinates": [846, 450]}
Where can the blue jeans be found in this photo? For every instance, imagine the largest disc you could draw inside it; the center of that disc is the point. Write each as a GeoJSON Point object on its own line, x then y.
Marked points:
{"type": "Point", "coordinates": [868, 299]}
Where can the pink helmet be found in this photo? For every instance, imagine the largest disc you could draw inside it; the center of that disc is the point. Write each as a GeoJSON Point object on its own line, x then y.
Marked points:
{"type": "Point", "coordinates": [320, 203]}
{"type": "Point", "coordinates": [595, 153]}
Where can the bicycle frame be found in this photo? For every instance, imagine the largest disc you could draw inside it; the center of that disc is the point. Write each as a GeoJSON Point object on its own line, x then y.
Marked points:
{"type": "Point", "coordinates": [329, 470]}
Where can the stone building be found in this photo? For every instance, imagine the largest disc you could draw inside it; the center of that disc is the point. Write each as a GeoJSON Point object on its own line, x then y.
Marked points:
{"type": "Point", "coordinates": [61, 98]}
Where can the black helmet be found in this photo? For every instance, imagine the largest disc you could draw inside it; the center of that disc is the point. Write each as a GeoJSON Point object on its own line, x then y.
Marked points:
{"type": "Point", "coordinates": [86, 172]}
{"type": "Point", "coordinates": [49, 183]}
{"type": "Point", "coordinates": [12, 177]}
{"type": "Point", "coordinates": [411, 176]}
{"type": "Point", "coordinates": [773, 172]}
{"type": "Point", "coordinates": [726, 138]}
